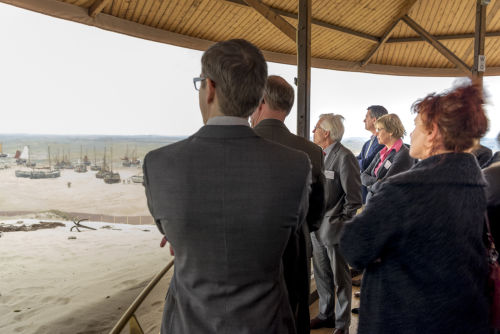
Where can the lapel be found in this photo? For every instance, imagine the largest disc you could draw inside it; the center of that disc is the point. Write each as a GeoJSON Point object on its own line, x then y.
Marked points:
{"type": "Point", "coordinates": [332, 156]}
{"type": "Point", "coordinates": [383, 170]}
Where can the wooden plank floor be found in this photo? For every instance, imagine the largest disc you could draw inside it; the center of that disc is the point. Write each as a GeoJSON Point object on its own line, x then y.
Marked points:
{"type": "Point", "coordinates": [313, 309]}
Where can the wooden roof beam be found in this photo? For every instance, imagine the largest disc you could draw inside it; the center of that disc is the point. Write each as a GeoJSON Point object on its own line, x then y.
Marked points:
{"type": "Point", "coordinates": [477, 70]}
{"type": "Point", "coordinates": [97, 7]}
{"type": "Point", "coordinates": [314, 21]}
{"type": "Point", "coordinates": [274, 18]}
{"type": "Point", "coordinates": [406, 8]}
{"type": "Point", "coordinates": [441, 37]}
{"type": "Point", "coordinates": [437, 45]}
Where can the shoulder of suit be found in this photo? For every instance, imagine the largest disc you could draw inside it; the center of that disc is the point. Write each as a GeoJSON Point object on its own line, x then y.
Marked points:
{"type": "Point", "coordinates": [167, 149]}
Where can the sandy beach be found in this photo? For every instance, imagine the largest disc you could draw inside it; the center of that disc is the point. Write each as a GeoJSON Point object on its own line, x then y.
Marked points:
{"type": "Point", "coordinates": [58, 281]}
{"type": "Point", "coordinates": [61, 281]}
{"type": "Point", "coordinates": [86, 194]}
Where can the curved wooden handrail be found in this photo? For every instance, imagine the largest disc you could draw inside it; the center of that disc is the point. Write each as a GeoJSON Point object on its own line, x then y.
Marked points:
{"type": "Point", "coordinates": [138, 301]}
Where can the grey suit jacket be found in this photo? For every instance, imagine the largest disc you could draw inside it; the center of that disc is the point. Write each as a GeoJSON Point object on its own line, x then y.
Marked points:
{"type": "Point", "coordinates": [276, 131]}
{"type": "Point", "coordinates": [343, 193]}
{"type": "Point", "coordinates": [399, 162]}
{"type": "Point", "coordinates": [218, 197]}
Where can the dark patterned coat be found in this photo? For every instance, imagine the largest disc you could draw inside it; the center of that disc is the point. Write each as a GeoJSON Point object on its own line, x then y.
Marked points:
{"type": "Point", "coordinates": [419, 240]}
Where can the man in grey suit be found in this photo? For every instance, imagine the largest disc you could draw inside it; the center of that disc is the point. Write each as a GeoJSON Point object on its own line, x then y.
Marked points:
{"type": "Point", "coordinates": [267, 121]}
{"type": "Point", "coordinates": [228, 200]}
{"type": "Point", "coordinates": [343, 199]}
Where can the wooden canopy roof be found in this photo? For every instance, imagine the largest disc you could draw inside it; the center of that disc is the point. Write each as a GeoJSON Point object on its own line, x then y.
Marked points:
{"type": "Point", "coordinates": [402, 37]}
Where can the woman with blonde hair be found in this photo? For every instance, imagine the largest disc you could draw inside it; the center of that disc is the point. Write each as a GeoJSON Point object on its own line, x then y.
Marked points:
{"type": "Point", "coordinates": [394, 158]}
{"type": "Point", "coordinates": [419, 237]}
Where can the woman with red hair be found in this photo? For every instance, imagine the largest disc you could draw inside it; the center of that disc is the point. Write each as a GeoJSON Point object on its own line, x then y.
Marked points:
{"type": "Point", "coordinates": [419, 238]}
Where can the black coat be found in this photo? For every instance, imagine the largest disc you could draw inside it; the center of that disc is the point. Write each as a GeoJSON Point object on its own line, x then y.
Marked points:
{"type": "Point", "coordinates": [419, 240]}
{"type": "Point", "coordinates": [492, 176]}
{"type": "Point", "coordinates": [398, 162]}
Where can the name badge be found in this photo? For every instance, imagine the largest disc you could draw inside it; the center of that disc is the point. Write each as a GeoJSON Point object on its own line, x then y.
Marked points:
{"type": "Point", "coordinates": [329, 174]}
{"type": "Point", "coordinates": [387, 164]}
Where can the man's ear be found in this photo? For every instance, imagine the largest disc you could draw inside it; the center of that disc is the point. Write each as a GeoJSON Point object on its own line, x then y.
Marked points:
{"type": "Point", "coordinates": [210, 89]}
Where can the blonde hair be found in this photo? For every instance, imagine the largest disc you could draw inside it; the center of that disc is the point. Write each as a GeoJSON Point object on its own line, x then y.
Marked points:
{"type": "Point", "coordinates": [392, 124]}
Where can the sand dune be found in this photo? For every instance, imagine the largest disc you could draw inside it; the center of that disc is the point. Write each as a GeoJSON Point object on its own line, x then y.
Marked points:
{"type": "Point", "coordinates": [52, 284]}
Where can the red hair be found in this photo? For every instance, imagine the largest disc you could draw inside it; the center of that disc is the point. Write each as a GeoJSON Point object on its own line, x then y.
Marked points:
{"type": "Point", "coordinates": [458, 113]}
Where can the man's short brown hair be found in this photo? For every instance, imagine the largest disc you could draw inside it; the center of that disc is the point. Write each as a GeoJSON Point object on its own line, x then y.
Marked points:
{"type": "Point", "coordinates": [239, 72]}
{"type": "Point", "coordinates": [279, 94]}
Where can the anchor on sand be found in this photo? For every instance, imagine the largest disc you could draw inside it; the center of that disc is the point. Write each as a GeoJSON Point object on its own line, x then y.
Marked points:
{"type": "Point", "coordinates": [77, 225]}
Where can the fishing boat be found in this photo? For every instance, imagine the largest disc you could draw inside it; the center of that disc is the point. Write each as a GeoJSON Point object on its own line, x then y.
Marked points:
{"type": "Point", "coordinates": [133, 160]}
{"type": "Point", "coordinates": [126, 160]}
{"type": "Point", "coordinates": [104, 168]}
{"type": "Point", "coordinates": [81, 167]}
{"type": "Point", "coordinates": [45, 172]}
{"type": "Point", "coordinates": [112, 177]}
{"type": "Point", "coordinates": [139, 178]}
{"type": "Point", "coordinates": [95, 167]}
{"type": "Point", "coordinates": [23, 173]}
{"type": "Point", "coordinates": [2, 155]}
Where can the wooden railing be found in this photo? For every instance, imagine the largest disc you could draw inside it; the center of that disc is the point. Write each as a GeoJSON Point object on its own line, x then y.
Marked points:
{"type": "Point", "coordinates": [129, 316]}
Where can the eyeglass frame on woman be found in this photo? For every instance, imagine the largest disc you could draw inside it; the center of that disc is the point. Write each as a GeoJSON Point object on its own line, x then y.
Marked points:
{"type": "Point", "coordinates": [196, 80]}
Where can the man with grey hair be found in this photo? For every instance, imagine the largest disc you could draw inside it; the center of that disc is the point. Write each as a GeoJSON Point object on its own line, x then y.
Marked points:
{"type": "Point", "coordinates": [217, 197]}
{"type": "Point", "coordinates": [343, 189]}
{"type": "Point", "coordinates": [268, 122]}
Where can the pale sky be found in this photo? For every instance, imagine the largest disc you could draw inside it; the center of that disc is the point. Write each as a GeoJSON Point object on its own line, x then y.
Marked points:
{"type": "Point", "coordinates": [61, 77]}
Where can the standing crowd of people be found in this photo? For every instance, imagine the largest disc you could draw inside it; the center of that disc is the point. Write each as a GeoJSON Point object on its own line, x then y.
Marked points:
{"type": "Point", "coordinates": [246, 206]}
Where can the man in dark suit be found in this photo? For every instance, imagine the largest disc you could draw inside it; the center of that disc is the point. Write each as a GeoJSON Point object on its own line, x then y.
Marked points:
{"type": "Point", "coordinates": [267, 121]}
{"type": "Point", "coordinates": [228, 201]}
{"type": "Point", "coordinates": [343, 199]}
{"type": "Point", "coordinates": [372, 146]}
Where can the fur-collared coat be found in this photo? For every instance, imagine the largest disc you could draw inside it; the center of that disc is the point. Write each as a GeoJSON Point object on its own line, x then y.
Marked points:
{"type": "Point", "coordinates": [419, 240]}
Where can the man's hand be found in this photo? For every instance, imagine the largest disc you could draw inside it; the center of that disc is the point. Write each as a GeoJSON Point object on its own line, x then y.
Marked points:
{"type": "Point", "coordinates": [164, 242]}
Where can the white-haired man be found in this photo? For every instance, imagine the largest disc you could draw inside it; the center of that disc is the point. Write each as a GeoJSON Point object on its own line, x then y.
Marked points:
{"type": "Point", "coordinates": [343, 199]}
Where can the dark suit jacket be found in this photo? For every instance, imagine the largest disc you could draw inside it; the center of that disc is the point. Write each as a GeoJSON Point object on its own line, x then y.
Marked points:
{"type": "Point", "coordinates": [365, 158]}
{"type": "Point", "coordinates": [298, 251]}
{"type": "Point", "coordinates": [483, 154]}
{"type": "Point", "coordinates": [228, 201]}
{"type": "Point", "coordinates": [399, 162]}
{"type": "Point", "coordinates": [276, 131]}
{"type": "Point", "coordinates": [343, 193]}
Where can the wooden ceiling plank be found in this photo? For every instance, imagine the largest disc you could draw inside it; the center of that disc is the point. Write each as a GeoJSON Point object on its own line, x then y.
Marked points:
{"type": "Point", "coordinates": [316, 22]}
{"type": "Point", "coordinates": [155, 8]}
{"type": "Point", "coordinates": [97, 7]}
{"type": "Point", "coordinates": [436, 44]}
{"type": "Point", "coordinates": [406, 8]}
{"type": "Point", "coordinates": [274, 18]}
{"type": "Point", "coordinates": [194, 20]}
{"type": "Point", "coordinates": [138, 11]}
{"type": "Point", "coordinates": [469, 35]}
{"type": "Point", "coordinates": [159, 13]}
{"type": "Point", "coordinates": [162, 23]}
{"type": "Point", "coordinates": [145, 11]}
{"type": "Point", "coordinates": [131, 8]}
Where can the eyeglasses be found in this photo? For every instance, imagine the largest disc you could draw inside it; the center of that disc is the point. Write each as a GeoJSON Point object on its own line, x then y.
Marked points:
{"type": "Point", "coordinates": [197, 82]}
